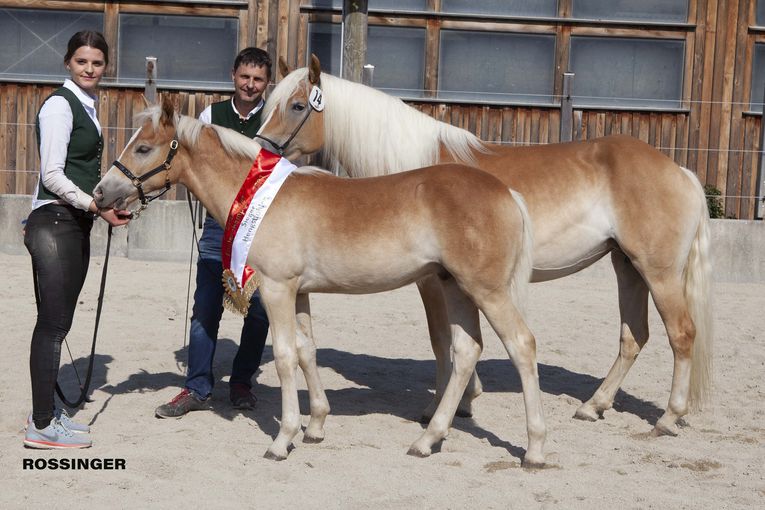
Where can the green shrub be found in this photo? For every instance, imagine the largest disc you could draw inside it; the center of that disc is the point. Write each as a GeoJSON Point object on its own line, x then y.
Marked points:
{"type": "Point", "coordinates": [714, 201]}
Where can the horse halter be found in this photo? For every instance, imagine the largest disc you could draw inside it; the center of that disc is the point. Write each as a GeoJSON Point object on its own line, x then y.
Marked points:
{"type": "Point", "coordinates": [139, 180]}
{"type": "Point", "coordinates": [315, 103]}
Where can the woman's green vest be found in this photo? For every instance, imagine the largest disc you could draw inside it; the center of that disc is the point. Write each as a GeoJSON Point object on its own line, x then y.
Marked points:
{"type": "Point", "coordinates": [83, 155]}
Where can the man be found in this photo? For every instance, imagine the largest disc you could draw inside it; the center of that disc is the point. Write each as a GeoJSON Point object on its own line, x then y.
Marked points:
{"type": "Point", "coordinates": [250, 74]}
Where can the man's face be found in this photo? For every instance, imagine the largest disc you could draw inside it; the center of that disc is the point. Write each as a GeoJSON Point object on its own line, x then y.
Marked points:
{"type": "Point", "coordinates": [249, 82]}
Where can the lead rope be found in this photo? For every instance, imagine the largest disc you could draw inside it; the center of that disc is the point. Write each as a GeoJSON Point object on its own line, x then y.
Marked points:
{"type": "Point", "coordinates": [194, 241]}
{"type": "Point", "coordinates": [83, 387]}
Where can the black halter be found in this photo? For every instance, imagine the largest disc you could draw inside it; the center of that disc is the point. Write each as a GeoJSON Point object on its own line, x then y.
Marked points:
{"type": "Point", "coordinates": [280, 149]}
{"type": "Point", "coordinates": [139, 180]}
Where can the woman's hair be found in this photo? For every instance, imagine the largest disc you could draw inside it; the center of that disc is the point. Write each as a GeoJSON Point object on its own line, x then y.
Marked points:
{"type": "Point", "coordinates": [87, 38]}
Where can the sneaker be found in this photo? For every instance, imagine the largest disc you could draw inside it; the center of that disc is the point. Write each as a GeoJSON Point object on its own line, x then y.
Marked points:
{"type": "Point", "coordinates": [184, 402]}
{"type": "Point", "coordinates": [241, 397]}
{"type": "Point", "coordinates": [55, 436]}
{"type": "Point", "coordinates": [66, 421]}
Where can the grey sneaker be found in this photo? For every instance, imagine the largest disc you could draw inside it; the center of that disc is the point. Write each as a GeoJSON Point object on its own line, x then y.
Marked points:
{"type": "Point", "coordinates": [66, 421]}
{"type": "Point", "coordinates": [184, 402]}
{"type": "Point", "coordinates": [55, 436]}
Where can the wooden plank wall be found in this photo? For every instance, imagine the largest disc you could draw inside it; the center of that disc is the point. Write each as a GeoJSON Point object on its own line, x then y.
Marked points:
{"type": "Point", "coordinates": [19, 161]}
{"type": "Point", "coordinates": [715, 137]}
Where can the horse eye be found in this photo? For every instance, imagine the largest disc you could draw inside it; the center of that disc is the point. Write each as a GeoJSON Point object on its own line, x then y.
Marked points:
{"type": "Point", "coordinates": [298, 107]}
{"type": "Point", "coordinates": [143, 149]}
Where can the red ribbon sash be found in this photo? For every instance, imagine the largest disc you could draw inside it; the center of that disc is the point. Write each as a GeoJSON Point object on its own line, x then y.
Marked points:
{"type": "Point", "coordinates": [259, 172]}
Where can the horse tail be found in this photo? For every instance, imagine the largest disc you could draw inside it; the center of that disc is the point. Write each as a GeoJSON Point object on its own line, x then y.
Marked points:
{"type": "Point", "coordinates": [522, 275]}
{"type": "Point", "coordinates": [697, 287]}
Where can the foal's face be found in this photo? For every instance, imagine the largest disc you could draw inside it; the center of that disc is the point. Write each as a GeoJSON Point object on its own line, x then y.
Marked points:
{"type": "Point", "coordinates": [146, 150]}
{"type": "Point", "coordinates": [282, 123]}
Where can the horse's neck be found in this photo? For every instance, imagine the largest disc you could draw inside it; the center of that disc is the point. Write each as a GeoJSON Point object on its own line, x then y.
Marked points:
{"type": "Point", "coordinates": [214, 177]}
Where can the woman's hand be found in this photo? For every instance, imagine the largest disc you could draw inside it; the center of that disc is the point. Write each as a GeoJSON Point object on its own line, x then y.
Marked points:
{"type": "Point", "coordinates": [115, 217]}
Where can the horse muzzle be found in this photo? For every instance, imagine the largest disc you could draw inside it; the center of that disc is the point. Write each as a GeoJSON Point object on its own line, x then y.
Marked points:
{"type": "Point", "coordinates": [114, 191]}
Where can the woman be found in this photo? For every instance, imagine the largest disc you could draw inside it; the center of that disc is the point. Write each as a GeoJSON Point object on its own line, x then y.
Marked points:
{"type": "Point", "coordinates": [57, 233]}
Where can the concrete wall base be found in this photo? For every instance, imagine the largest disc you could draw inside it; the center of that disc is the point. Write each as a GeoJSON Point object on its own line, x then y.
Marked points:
{"type": "Point", "coordinates": [164, 232]}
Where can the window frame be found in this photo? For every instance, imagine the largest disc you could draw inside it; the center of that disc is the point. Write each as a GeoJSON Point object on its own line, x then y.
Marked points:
{"type": "Point", "coordinates": [756, 35]}
{"type": "Point", "coordinates": [170, 83]}
{"type": "Point", "coordinates": [236, 9]}
{"type": "Point", "coordinates": [563, 26]}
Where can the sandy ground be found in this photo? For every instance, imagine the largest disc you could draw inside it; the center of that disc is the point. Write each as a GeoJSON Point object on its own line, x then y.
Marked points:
{"type": "Point", "coordinates": [378, 370]}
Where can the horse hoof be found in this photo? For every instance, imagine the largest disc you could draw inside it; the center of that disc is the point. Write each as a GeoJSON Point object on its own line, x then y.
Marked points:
{"type": "Point", "coordinates": [416, 452]}
{"type": "Point", "coordinates": [273, 456]}
{"type": "Point", "coordinates": [312, 439]}
{"type": "Point", "coordinates": [464, 413]}
{"type": "Point", "coordinates": [533, 463]}
{"type": "Point", "coordinates": [587, 414]}
{"type": "Point", "coordinates": [664, 430]}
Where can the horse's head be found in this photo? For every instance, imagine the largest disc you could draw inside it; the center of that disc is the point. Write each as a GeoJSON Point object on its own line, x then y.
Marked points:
{"type": "Point", "coordinates": [294, 124]}
{"type": "Point", "coordinates": [145, 164]}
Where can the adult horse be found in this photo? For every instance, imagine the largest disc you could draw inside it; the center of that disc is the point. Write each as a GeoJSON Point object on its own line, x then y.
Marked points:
{"type": "Point", "coordinates": [586, 199]}
{"type": "Point", "coordinates": [327, 234]}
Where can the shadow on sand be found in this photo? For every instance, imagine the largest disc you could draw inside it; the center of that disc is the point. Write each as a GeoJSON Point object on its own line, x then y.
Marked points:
{"type": "Point", "coordinates": [399, 387]}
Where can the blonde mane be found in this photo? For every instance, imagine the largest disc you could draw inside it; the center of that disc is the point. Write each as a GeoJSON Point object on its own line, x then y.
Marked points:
{"type": "Point", "coordinates": [188, 130]}
{"type": "Point", "coordinates": [368, 132]}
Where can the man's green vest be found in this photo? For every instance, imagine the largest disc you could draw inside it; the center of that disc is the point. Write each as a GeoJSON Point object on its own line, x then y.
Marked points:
{"type": "Point", "coordinates": [223, 114]}
{"type": "Point", "coordinates": [83, 155]}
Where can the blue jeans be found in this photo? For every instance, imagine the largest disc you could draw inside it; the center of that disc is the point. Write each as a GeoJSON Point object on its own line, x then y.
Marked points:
{"type": "Point", "coordinates": [205, 320]}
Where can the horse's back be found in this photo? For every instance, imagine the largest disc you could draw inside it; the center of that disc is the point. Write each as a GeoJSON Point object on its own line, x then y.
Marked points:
{"type": "Point", "coordinates": [407, 224]}
{"type": "Point", "coordinates": [586, 197]}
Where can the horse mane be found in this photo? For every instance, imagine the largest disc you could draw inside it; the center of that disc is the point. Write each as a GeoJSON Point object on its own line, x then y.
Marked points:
{"type": "Point", "coordinates": [368, 132]}
{"type": "Point", "coordinates": [188, 130]}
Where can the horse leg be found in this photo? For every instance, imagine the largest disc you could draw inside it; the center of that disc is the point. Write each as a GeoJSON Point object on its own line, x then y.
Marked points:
{"type": "Point", "coordinates": [633, 308]}
{"type": "Point", "coordinates": [672, 305]}
{"type": "Point", "coordinates": [441, 341]}
{"type": "Point", "coordinates": [279, 301]}
{"type": "Point", "coordinates": [467, 346]}
{"type": "Point", "coordinates": [520, 345]}
{"type": "Point", "coordinates": [306, 351]}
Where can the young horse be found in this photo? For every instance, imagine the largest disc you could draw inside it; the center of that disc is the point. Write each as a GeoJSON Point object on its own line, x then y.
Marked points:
{"type": "Point", "coordinates": [327, 234]}
{"type": "Point", "coordinates": [586, 199]}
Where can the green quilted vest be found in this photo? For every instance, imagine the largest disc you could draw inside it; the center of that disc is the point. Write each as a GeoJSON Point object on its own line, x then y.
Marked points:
{"type": "Point", "coordinates": [83, 155]}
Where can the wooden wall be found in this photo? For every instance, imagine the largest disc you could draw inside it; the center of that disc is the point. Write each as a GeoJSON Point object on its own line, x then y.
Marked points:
{"type": "Point", "coordinates": [714, 134]}
{"type": "Point", "coordinates": [18, 144]}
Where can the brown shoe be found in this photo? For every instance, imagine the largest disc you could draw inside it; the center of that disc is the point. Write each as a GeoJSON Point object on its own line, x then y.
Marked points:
{"type": "Point", "coordinates": [184, 402]}
{"type": "Point", "coordinates": [241, 396]}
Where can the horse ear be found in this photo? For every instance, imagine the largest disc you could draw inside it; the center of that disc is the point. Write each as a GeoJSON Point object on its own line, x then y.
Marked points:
{"type": "Point", "coordinates": [284, 69]}
{"type": "Point", "coordinates": [314, 70]}
{"type": "Point", "coordinates": [168, 111]}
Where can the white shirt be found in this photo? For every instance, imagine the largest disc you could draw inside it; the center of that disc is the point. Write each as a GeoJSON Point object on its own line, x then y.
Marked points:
{"type": "Point", "coordinates": [56, 122]}
{"type": "Point", "coordinates": [206, 115]}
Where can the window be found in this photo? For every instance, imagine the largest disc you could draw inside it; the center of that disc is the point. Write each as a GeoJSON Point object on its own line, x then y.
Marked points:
{"type": "Point", "coordinates": [398, 54]}
{"type": "Point", "coordinates": [496, 67]}
{"type": "Point", "coordinates": [34, 42]}
{"type": "Point", "coordinates": [630, 10]}
{"type": "Point", "coordinates": [542, 8]}
{"type": "Point", "coordinates": [627, 72]}
{"type": "Point", "coordinates": [324, 40]}
{"type": "Point", "coordinates": [192, 49]}
{"type": "Point", "coordinates": [760, 19]}
{"type": "Point", "coordinates": [493, 59]}
{"type": "Point", "coordinates": [758, 78]}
